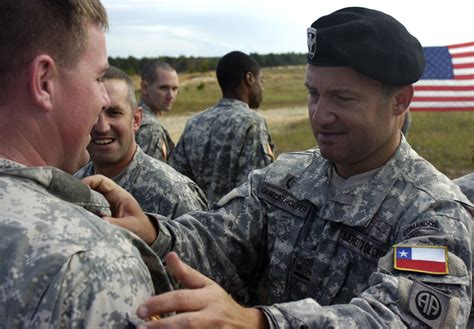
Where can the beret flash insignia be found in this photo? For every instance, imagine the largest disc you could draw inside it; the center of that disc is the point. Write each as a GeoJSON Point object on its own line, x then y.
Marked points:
{"type": "Point", "coordinates": [311, 34]}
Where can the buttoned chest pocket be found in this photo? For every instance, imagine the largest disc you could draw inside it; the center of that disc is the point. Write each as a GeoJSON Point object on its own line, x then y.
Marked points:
{"type": "Point", "coordinates": [283, 237]}
{"type": "Point", "coordinates": [333, 263]}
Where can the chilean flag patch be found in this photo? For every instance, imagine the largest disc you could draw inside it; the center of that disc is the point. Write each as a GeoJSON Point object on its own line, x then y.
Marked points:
{"type": "Point", "coordinates": [423, 259]}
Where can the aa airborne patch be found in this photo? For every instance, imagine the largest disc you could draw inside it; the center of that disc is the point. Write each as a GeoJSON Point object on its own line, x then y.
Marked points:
{"type": "Point", "coordinates": [428, 305]}
{"type": "Point", "coordinates": [311, 35]}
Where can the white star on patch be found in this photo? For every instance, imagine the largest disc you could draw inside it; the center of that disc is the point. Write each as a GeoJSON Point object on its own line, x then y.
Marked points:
{"type": "Point", "coordinates": [403, 253]}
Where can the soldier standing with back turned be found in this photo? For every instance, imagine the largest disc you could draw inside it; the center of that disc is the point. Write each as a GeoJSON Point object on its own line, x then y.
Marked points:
{"type": "Point", "coordinates": [223, 144]}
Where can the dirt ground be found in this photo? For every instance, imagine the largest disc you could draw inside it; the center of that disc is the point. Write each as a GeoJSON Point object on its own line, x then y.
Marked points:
{"type": "Point", "coordinates": [175, 123]}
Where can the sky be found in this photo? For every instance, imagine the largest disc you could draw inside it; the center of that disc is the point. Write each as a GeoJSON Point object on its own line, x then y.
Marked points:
{"type": "Point", "coordinates": [212, 28]}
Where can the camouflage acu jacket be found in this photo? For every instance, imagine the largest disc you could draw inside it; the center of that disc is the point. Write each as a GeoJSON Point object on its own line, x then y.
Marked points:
{"type": "Point", "coordinates": [157, 187]}
{"type": "Point", "coordinates": [466, 183]}
{"type": "Point", "coordinates": [315, 259]}
{"type": "Point", "coordinates": [152, 137]}
{"type": "Point", "coordinates": [62, 266]}
{"type": "Point", "coordinates": [221, 146]}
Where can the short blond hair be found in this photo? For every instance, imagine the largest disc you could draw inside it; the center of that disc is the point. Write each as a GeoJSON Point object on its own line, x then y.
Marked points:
{"type": "Point", "coordinates": [55, 27]}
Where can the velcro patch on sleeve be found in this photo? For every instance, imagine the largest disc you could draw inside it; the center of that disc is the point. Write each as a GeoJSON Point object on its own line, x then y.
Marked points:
{"type": "Point", "coordinates": [428, 305]}
{"type": "Point", "coordinates": [421, 259]}
{"type": "Point", "coordinates": [428, 224]}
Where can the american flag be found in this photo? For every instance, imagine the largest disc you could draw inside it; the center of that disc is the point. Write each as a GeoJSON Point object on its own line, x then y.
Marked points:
{"type": "Point", "coordinates": [448, 81]}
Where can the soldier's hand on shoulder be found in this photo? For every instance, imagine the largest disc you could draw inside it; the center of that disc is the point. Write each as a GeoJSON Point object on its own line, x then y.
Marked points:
{"type": "Point", "coordinates": [126, 211]}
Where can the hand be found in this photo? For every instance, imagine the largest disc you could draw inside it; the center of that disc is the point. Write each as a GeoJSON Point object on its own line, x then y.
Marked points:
{"type": "Point", "coordinates": [125, 209]}
{"type": "Point", "coordinates": [204, 304]}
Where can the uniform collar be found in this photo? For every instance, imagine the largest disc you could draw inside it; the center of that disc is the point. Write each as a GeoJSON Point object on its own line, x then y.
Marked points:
{"type": "Point", "coordinates": [354, 206]}
{"type": "Point", "coordinates": [123, 178]}
{"type": "Point", "coordinates": [148, 114]}
{"type": "Point", "coordinates": [59, 184]}
{"type": "Point", "coordinates": [231, 102]}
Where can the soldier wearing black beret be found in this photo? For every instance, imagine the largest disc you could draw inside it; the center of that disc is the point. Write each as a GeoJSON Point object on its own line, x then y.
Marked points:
{"type": "Point", "coordinates": [370, 41]}
{"type": "Point", "coordinates": [360, 232]}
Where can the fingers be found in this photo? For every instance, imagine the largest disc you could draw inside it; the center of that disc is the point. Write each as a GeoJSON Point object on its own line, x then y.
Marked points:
{"type": "Point", "coordinates": [100, 183]}
{"type": "Point", "coordinates": [188, 276]}
{"type": "Point", "coordinates": [183, 320]}
{"type": "Point", "coordinates": [141, 226]}
{"type": "Point", "coordinates": [121, 202]}
{"type": "Point", "coordinates": [185, 300]}
{"type": "Point", "coordinates": [114, 194]}
{"type": "Point", "coordinates": [178, 301]}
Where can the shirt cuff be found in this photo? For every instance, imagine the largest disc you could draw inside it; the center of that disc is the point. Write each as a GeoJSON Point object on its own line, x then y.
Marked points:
{"type": "Point", "coordinates": [163, 242]}
{"type": "Point", "coordinates": [273, 315]}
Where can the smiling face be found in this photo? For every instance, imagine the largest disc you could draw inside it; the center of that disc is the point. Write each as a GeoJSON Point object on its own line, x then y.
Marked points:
{"type": "Point", "coordinates": [112, 143]}
{"type": "Point", "coordinates": [353, 122]}
{"type": "Point", "coordinates": [161, 94]}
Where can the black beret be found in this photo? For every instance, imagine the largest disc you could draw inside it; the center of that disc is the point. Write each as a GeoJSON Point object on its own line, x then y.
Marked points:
{"type": "Point", "coordinates": [369, 41]}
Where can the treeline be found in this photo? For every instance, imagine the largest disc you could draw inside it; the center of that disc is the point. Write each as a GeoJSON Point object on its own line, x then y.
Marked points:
{"type": "Point", "coordinates": [133, 65]}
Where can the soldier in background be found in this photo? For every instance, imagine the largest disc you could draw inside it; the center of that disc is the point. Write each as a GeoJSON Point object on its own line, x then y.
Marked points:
{"type": "Point", "coordinates": [360, 232]}
{"type": "Point", "coordinates": [466, 183]}
{"type": "Point", "coordinates": [159, 88]}
{"type": "Point", "coordinates": [61, 266]}
{"type": "Point", "coordinates": [157, 187]}
{"type": "Point", "coordinates": [223, 144]}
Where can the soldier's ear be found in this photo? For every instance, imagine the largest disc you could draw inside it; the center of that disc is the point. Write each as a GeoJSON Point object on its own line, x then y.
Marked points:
{"type": "Point", "coordinates": [43, 81]}
{"type": "Point", "coordinates": [403, 98]}
{"type": "Point", "coordinates": [249, 79]}
{"type": "Point", "coordinates": [137, 119]}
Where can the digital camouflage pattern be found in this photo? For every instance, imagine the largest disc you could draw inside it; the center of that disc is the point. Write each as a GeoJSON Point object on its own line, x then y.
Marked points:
{"type": "Point", "coordinates": [61, 265]}
{"type": "Point", "coordinates": [157, 187]}
{"type": "Point", "coordinates": [466, 183]}
{"type": "Point", "coordinates": [221, 146]}
{"type": "Point", "coordinates": [152, 137]}
{"type": "Point", "coordinates": [318, 259]}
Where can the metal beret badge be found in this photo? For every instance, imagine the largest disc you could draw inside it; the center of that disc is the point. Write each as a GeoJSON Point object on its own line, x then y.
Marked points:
{"type": "Point", "coordinates": [311, 35]}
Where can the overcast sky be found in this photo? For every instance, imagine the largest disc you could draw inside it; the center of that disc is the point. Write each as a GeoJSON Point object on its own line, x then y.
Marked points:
{"type": "Point", "coordinates": [155, 28]}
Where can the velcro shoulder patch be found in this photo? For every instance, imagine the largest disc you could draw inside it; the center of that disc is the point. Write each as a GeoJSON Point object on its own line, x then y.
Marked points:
{"type": "Point", "coordinates": [421, 259]}
{"type": "Point", "coordinates": [282, 199]}
{"type": "Point", "coordinates": [429, 224]}
{"type": "Point", "coordinates": [428, 305]}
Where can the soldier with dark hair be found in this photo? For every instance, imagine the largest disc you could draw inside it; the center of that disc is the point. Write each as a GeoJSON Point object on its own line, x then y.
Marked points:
{"type": "Point", "coordinates": [223, 144]}
{"type": "Point", "coordinates": [232, 69]}
{"type": "Point", "coordinates": [61, 265]}
{"type": "Point", "coordinates": [159, 88]}
{"type": "Point", "coordinates": [156, 186]}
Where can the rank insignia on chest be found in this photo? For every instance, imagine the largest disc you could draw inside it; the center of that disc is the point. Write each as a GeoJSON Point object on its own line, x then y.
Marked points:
{"type": "Point", "coordinates": [422, 259]}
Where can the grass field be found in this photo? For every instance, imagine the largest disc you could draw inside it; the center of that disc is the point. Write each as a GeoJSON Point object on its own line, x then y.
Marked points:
{"type": "Point", "coordinates": [445, 139]}
{"type": "Point", "coordinates": [283, 87]}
